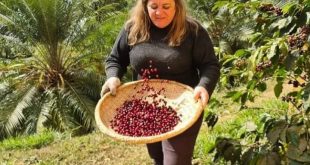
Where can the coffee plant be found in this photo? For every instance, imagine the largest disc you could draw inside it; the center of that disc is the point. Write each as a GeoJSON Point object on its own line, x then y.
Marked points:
{"type": "Point", "coordinates": [279, 51]}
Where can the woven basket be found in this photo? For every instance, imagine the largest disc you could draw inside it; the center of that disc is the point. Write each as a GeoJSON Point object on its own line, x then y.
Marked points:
{"type": "Point", "coordinates": [178, 95]}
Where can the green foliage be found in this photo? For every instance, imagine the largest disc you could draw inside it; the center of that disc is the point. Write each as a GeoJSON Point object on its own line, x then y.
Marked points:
{"type": "Point", "coordinates": [32, 141]}
{"type": "Point", "coordinates": [229, 149]}
{"type": "Point", "coordinates": [277, 49]}
{"type": "Point", "coordinates": [51, 72]}
{"type": "Point", "coordinates": [242, 127]}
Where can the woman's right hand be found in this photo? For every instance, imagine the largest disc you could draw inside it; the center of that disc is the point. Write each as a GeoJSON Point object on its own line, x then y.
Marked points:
{"type": "Point", "coordinates": [110, 85]}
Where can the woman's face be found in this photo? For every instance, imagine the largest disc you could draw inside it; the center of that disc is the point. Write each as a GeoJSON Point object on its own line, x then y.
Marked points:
{"type": "Point", "coordinates": [161, 12]}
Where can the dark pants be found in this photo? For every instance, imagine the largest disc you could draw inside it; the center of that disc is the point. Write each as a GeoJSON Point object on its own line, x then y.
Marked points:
{"type": "Point", "coordinates": [177, 150]}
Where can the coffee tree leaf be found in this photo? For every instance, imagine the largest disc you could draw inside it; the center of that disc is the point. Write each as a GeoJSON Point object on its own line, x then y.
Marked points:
{"type": "Point", "coordinates": [211, 119]}
{"type": "Point", "coordinates": [241, 53]}
{"type": "Point", "coordinates": [229, 153]}
{"type": "Point", "coordinates": [220, 144]}
{"type": "Point", "coordinates": [268, 126]}
{"type": "Point", "coordinates": [273, 158]}
{"type": "Point", "coordinates": [295, 119]}
{"type": "Point", "coordinates": [284, 48]}
{"type": "Point", "coordinates": [283, 135]}
{"type": "Point", "coordinates": [302, 18]}
{"type": "Point", "coordinates": [274, 49]}
{"type": "Point", "coordinates": [270, 158]}
{"type": "Point", "coordinates": [234, 95]}
{"type": "Point", "coordinates": [261, 86]}
{"type": "Point", "coordinates": [288, 7]}
{"type": "Point", "coordinates": [278, 89]}
{"type": "Point", "coordinates": [281, 23]}
{"type": "Point", "coordinates": [249, 156]}
{"type": "Point", "coordinates": [289, 62]}
{"type": "Point", "coordinates": [294, 153]}
{"type": "Point", "coordinates": [303, 144]}
{"type": "Point", "coordinates": [229, 149]}
{"type": "Point", "coordinates": [244, 97]}
{"type": "Point", "coordinates": [233, 151]}
{"type": "Point", "coordinates": [216, 156]}
{"type": "Point", "coordinates": [273, 134]}
{"type": "Point", "coordinates": [293, 162]}
{"type": "Point", "coordinates": [262, 160]}
{"type": "Point", "coordinates": [251, 84]}
{"type": "Point", "coordinates": [293, 135]}
{"type": "Point", "coordinates": [306, 97]}
{"type": "Point", "coordinates": [308, 18]}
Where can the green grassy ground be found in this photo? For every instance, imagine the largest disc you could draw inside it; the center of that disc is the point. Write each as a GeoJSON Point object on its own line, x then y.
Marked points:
{"type": "Point", "coordinates": [96, 148]}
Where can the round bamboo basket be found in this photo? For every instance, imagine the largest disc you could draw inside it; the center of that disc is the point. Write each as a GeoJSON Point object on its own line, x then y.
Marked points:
{"type": "Point", "coordinates": [177, 95]}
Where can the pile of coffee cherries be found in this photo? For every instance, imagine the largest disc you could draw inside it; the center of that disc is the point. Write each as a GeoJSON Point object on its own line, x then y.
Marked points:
{"type": "Point", "coordinates": [146, 116]}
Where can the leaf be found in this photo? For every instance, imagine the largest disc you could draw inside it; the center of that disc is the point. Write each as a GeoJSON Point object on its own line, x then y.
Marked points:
{"type": "Point", "coordinates": [282, 23]}
{"type": "Point", "coordinates": [262, 160]}
{"type": "Point", "coordinates": [219, 4]}
{"type": "Point", "coordinates": [211, 119]}
{"type": "Point", "coordinates": [308, 17]}
{"type": "Point", "coordinates": [294, 153]}
{"type": "Point", "coordinates": [273, 134]}
{"type": "Point", "coordinates": [288, 7]}
{"type": "Point", "coordinates": [274, 49]}
{"type": "Point", "coordinates": [293, 162]}
{"type": "Point", "coordinates": [228, 60]}
{"type": "Point", "coordinates": [232, 151]}
{"type": "Point", "coordinates": [278, 89]}
{"type": "Point", "coordinates": [303, 144]}
{"type": "Point", "coordinates": [306, 97]}
{"type": "Point", "coordinates": [241, 53]}
{"type": "Point", "coordinates": [261, 86]}
{"type": "Point", "coordinates": [283, 135]}
{"type": "Point", "coordinates": [302, 18]}
{"type": "Point", "coordinates": [248, 156]}
{"type": "Point", "coordinates": [234, 95]}
{"type": "Point", "coordinates": [283, 46]}
{"type": "Point", "coordinates": [293, 135]}
{"type": "Point", "coordinates": [244, 97]}
{"type": "Point", "coordinates": [290, 60]}
{"type": "Point", "coordinates": [229, 149]}
{"type": "Point", "coordinates": [271, 158]}
{"type": "Point", "coordinates": [274, 158]}
{"type": "Point", "coordinates": [251, 84]}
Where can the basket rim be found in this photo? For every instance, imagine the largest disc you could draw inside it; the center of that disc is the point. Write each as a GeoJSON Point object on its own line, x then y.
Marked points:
{"type": "Point", "coordinates": [145, 139]}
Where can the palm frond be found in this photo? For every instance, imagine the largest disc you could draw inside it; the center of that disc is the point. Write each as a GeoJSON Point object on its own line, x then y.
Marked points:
{"type": "Point", "coordinates": [17, 117]}
{"type": "Point", "coordinates": [32, 114]}
{"type": "Point", "coordinates": [67, 111]}
{"type": "Point", "coordinates": [81, 106]}
{"type": "Point", "coordinates": [54, 114]}
{"type": "Point", "coordinates": [29, 10]}
{"type": "Point", "coordinates": [89, 83]}
{"type": "Point", "coordinates": [6, 20]}
{"type": "Point", "coordinates": [4, 90]}
{"type": "Point", "coordinates": [5, 7]}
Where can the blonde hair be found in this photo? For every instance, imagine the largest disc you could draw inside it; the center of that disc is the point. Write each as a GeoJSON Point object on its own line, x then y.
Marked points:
{"type": "Point", "coordinates": [139, 24]}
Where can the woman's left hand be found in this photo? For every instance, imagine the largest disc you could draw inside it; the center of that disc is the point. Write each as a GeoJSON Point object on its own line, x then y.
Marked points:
{"type": "Point", "coordinates": [202, 94]}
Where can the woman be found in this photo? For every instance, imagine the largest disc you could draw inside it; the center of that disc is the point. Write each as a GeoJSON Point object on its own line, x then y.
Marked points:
{"type": "Point", "coordinates": [159, 31]}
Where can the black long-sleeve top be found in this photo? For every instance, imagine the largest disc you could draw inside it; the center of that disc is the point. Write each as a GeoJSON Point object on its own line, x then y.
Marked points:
{"type": "Point", "coordinates": [193, 62]}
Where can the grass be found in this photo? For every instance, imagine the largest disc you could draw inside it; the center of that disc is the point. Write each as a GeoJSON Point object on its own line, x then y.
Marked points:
{"type": "Point", "coordinates": [28, 142]}
{"type": "Point", "coordinates": [96, 148]}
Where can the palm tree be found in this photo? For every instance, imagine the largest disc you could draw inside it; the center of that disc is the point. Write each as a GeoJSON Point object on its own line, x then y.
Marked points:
{"type": "Point", "coordinates": [54, 75]}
